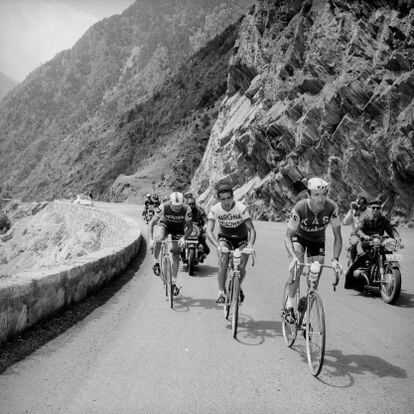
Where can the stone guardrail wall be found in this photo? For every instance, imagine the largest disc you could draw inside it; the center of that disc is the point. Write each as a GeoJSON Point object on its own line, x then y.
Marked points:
{"type": "Point", "coordinates": [26, 300]}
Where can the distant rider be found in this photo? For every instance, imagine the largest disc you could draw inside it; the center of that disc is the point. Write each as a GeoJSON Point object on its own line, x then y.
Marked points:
{"type": "Point", "coordinates": [236, 230]}
{"type": "Point", "coordinates": [306, 231]}
{"type": "Point", "coordinates": [374, 224]}
{"type": "Point", "coordinates": [148, 206]}
{"type": "Point", "coordinates": [175, 218]}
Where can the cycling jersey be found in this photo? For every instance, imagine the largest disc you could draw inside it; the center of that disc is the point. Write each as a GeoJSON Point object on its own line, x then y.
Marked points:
{"type": "Point", "coordinates": [232, 222]}
{"type": "Point", "coordinates": [174, 221]}
{"type": "Point", "coordinates": [312, 227]}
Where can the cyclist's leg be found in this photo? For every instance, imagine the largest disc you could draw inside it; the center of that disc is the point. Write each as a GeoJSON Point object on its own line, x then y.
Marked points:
{"type": "Point", "coordinates": [241, 244]}
{"type": "Point", "coordinates": [160, 233]}
{"type": "Point", "coordinates": [175, 253]}
{"type": "Point", "coordinates": [293, 284]}
{"type": "Point", "coordinates": [224, 260]}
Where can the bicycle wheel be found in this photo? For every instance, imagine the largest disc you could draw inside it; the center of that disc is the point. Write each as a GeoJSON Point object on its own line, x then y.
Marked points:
{"type": "Point", "coordinates": [170, 286]}
{"type": "Point", "coordinates": [235, 305]}
{"type": "Point", "coordinates": [227, 303]}
{"type": "Point", "coordinates": [289, 330]}
{"type": "Point", "coordinates": [315, 332]}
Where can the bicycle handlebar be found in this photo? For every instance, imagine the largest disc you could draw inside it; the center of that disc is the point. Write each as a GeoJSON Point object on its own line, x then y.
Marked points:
{"type": "Point", "coordinates": [246, 250]}
{"type": "Point", "coordinates": [337, 271]}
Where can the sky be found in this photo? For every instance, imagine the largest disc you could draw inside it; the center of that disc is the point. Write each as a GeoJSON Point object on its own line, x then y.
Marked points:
{"type": "Point", "coordinates": [34, 31]}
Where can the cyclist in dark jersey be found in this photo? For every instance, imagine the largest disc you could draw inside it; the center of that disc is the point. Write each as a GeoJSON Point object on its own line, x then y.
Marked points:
{"type": "Point", "coordinates": [306, 233]}
{"type": "Point", "coordinates": [175, 218]}
{"type": "Point", "coordinates": [236, 231]}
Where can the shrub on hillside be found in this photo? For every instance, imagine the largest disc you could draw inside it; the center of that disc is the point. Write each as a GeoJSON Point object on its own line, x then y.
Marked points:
{"type": "Point", "coordinates": [5, 223]}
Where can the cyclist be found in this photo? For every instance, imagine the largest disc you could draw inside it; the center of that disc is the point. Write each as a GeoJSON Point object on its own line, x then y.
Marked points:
{"type": "Point", "coordinates": [306, 233]}
{"type": "Point", "coordinates": [173, 217]}
{"type": "Point", "coordinates": [199, 219]}
{"type": "Point", "coordinates": [236, 230]}
{"type": "Point", "coordinates": [148, 204]}
{"type": "Point", "coordinates": [358, 211]}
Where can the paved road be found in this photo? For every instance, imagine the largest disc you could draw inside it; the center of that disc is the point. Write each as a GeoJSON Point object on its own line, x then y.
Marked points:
{"type": "Point", "coordinates": [135, 355]}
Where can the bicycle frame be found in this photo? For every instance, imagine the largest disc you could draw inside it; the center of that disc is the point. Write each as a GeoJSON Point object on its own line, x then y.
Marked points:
{"type": "Point", "coordinates": [166, 269]}
{"type": "Point", "coordinates": [306, 311]}
{"type": "Point", "coordinates": [233, 284]}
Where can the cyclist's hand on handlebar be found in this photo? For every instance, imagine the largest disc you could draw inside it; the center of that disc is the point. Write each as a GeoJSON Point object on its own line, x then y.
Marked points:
{"type": "Point", "coordinates": [293, 264]}
{"type": "Point", "coordinates": [337, 266]}
{"type": "Point", "coordinates": [222, 249]}
{"type": "Point", "coordinates": [151, 244]}
{"type": "Point", "coordinates": [181, 242]}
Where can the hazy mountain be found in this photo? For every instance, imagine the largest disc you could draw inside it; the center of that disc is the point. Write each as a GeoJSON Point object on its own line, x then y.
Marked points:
{"type": "Point", "coordinates": [59, 128]}
{"type": "Point", "coordinates": [6, 85]}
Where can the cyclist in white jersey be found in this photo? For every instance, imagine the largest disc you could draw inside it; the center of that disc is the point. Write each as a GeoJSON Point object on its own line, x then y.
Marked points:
{"type": "Point", "coordinates": [236, 230]}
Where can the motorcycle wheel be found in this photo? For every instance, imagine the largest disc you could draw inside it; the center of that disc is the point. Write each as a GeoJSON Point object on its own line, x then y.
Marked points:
{"type": "Point", "coordinates": [390, 291]}
{"type": "Point", "coordinates": [191, 256]}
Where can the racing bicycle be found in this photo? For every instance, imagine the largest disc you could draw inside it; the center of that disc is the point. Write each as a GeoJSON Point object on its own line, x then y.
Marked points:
{"type": "Point", "coordinates": [166, 270]}
{"type": "Point", "coordinates": [233, 281]}
{"type": "Point", "coordinates": [309, 315]}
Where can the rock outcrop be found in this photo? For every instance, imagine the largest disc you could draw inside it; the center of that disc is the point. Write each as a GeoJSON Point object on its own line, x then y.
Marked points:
{"type": "Point", "coordinates": [317, 88]}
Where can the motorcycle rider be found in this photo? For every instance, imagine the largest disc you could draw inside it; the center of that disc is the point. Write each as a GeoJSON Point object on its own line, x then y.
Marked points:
{"type": "Point", "coordinates": [374, 224]}
{"type": "Point", "coordinates": [199, 219]}
{"type": "Point", "coordinates": [359, 209]}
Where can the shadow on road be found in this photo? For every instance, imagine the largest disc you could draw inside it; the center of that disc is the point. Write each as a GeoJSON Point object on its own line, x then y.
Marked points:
{"type": "Point", "coordinates": [202, 270]}
{"type": "Point", "coordinates": [339, 369]}
{"type": "Point", "coordinates": [406, 300]}
{"type": "Point", "coordinates": [253, 333]}
{"type": "Point", "coordinates": [184, 303]}
{"type": "Point", "coordinates": [21, 346]}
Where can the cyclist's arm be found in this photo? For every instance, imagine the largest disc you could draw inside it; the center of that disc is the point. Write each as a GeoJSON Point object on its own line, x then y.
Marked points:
{"type": "Point", "coordinates": [336, 228]}
{"type": "Point", "coordinates": [251, 230]}
{"type": "Point", "coordinates": [158, 214]}
{"type": "Point", "coordinates": [289, 242]}
{"type": "Point", "coordinates": [210, 229]}
{"type": "Point", "coordinates": [337, 248]}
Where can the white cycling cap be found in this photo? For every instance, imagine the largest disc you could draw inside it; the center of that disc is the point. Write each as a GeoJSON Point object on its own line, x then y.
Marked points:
{"type": "Point", "coordinates": [316, 183]}
{"type": "Point", "coordinates": [177, 198]}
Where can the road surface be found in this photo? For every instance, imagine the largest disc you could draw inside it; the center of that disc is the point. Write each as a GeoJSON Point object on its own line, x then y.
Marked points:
{"type": "Point", "coordinates": [134, 354]}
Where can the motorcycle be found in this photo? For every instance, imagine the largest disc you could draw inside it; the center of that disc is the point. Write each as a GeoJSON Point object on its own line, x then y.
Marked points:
{"type": "Point", "coordinates": [380, 267]}
{"type": "Point", "coordinates": [193, 252]}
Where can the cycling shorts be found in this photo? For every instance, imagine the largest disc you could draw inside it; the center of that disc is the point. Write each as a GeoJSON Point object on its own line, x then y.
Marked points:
{"type": "Point", "coordinates": [313, 248]}
{"type": "Point", "coordinates": [175, 234]}
{"type": "Point", "coordinates": [233, 242]}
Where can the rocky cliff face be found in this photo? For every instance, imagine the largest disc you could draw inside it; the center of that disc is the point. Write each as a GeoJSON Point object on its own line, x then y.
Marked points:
{"type": "Point", "coordinates": [59, 129]}
{"type": "Point", "coordinates": [317, 88]}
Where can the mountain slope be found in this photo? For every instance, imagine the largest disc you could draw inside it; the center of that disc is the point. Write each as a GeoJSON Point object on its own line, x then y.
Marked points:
{"type": "Point", "coordinates": [318, 88]}
{"type": "Point", "coordinates": [70, 105]}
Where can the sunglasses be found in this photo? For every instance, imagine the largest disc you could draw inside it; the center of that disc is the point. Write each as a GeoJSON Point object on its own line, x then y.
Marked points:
{"type": "Point", "coordinates": [375, 208]}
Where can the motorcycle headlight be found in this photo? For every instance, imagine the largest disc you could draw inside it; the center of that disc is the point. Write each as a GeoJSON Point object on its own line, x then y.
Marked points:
{"type": "Point", "coordinates": [390, 245]}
